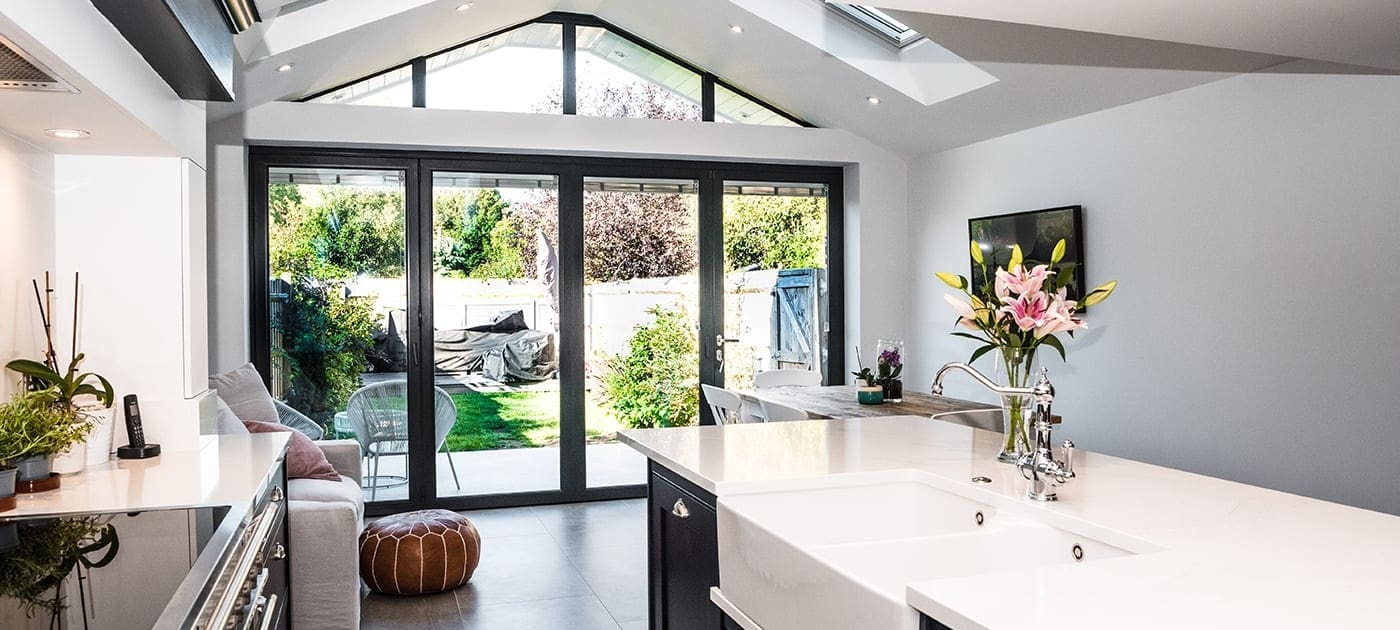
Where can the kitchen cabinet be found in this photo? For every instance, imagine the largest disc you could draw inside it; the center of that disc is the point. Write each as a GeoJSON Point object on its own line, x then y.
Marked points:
{"type": "Point", "coordinates": [683, 553]}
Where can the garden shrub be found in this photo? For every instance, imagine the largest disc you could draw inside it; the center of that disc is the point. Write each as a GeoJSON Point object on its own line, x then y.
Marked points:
{"type": "Point", "coordinates": [325, 336]}
{"type": "Point", "coordinates": [656, 383]}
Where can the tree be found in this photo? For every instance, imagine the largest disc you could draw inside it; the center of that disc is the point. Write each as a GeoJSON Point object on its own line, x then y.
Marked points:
{"type": "Point", "coordinates": [774, 232]}
{"type": "Point", "coordinates": [351, 231]}
{"type": "Point", "coordinates": [626, 235]}
{"type": "Point", "coordinates": [640, 99]}
{"type": "Point", "coordinates": [478, 240]}
{"type": "Point", "coordinates": [611, 98]}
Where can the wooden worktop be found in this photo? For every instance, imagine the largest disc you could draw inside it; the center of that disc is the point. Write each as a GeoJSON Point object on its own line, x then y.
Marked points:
{"type": "Point", "coordinates": [839, 401]}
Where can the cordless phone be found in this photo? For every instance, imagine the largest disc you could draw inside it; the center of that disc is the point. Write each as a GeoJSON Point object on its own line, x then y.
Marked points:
{"type": "Point", "coordinates": [137, 448]}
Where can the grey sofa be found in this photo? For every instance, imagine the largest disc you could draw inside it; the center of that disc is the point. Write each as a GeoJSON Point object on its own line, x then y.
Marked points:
{"type": "Point", "coordinates": [324, 518]}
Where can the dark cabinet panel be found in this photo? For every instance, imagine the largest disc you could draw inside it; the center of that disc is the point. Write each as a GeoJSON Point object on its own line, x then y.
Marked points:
{"type": "Point", "coordinates": [927, 623]}
{"type": "Point", "coordinates": [683, 553]}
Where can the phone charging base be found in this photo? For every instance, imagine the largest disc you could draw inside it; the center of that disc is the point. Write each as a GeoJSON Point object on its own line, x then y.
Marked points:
{"type": "Point", "coordinates": [138, 452]}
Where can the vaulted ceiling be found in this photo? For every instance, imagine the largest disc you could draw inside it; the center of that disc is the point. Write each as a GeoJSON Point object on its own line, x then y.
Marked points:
{"type": "Point", "coordinates": [990, 68]}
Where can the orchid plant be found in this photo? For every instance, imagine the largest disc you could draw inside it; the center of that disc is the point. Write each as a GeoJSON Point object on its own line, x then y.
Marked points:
{"type": "Point", "coordinates": [1025, 306]}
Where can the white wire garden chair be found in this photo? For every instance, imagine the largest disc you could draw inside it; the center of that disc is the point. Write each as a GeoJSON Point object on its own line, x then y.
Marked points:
{"type": "Point", "coordinates": [378, 414]}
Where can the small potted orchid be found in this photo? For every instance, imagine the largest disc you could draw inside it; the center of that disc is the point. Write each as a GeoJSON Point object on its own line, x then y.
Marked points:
{"type": "Point", "coordinates": [889, 365]}
{"type": "Point", "coordinates": [1023, 308]}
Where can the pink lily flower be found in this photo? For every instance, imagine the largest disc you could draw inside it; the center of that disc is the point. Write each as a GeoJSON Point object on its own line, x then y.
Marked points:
{"type": "Point", "coordinates": [1061, 316]}
{"type": "Point", "coordinates": [1030, 311]}
{"type": "Point", "coordinates": [1020, 281]}
{"type": "Point", "coordinates": [967, 316]}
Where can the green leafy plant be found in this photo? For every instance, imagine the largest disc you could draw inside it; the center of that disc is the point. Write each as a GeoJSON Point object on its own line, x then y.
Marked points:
{"type": "Point", "coordinates": [865, 374]}
{"type": "Point", "coordinates": [656, 383]}
{"type": "Point", "coordinates": [47, 553]}
{"type": "Point", "coordinates": [32, 425]}
{"type": "Point", "coordinates": [325, 338]}
{"type": "Point", "coordinates": [62, 389]}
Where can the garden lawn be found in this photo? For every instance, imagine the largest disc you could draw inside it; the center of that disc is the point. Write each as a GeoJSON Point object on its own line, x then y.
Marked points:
{"type": "Point", "coordinates": [519, 419]}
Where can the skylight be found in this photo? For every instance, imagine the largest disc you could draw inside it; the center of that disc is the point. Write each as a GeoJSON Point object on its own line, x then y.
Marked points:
{"type": "Point", "coordinates": [883, 25]}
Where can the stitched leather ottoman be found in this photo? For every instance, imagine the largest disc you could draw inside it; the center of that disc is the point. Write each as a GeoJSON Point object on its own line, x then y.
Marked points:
{"type": "Point", "coordinates": [415, 553]}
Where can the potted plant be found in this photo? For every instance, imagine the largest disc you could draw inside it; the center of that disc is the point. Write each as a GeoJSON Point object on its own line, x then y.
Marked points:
{"type": "Point", "coordinates": [87, 396]}
{"type": "Point", "coordinates": [889, 366]}
{"type": "Point", "coordinates": [33, 429]}
{"type": "Point", "coordinates": [1023, 306]}
{"type": "Point", "coordinates": [869, 391]}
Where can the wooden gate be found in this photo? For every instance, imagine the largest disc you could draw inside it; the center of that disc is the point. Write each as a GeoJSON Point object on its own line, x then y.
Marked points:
{"type": "Point", "coordinates": [798, 321]}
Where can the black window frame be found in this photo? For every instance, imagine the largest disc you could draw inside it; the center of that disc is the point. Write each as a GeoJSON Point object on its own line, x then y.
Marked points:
{"type": "Point", "coordinates": [569, 68]}
{"type": "Point", "coordinates": [418, 167]}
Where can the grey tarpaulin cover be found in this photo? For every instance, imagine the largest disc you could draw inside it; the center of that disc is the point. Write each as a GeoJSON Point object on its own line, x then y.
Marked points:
{"type": "Point", "coordinates": [525, 355]}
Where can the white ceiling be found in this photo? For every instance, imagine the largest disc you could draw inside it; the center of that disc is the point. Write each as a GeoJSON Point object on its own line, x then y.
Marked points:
{"type": "Point", "coordinates": [1357, 32]}
{"type": "Point", "coordinates": [26, 114]}
{"type": "Point", "coordinates": [1043, 74]}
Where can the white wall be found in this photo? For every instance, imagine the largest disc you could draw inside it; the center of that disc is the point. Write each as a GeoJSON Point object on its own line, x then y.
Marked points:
{"type": "Point", "coordinates": [1252, 223]}
{"type": "Point", "coordinates": [134, 227]}
{"type": "Point", "coordinates": [875, 186]}
{"type": "Point", "coordinates": [26, 248]}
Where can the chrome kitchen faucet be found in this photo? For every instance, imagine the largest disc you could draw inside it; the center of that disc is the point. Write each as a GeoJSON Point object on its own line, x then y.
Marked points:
{"type": "Point", "coordinates": [1038, 466]}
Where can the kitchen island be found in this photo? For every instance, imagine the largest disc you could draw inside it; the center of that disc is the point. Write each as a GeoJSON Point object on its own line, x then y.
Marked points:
{"type": "Point", "coordinates": [1178, 549]}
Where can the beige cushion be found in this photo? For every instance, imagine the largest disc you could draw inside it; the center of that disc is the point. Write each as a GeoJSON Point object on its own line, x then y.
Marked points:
{"type": "Point", "coordinates": [243, 391]}
{"type": "Point", "coordinates": [226, 422]}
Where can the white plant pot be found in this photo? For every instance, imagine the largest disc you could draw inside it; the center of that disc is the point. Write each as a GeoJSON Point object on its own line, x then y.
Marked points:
{"type": "Point", "coordinates": [100, 441]}
{"type": "Point", "coordinates": [71, 461]}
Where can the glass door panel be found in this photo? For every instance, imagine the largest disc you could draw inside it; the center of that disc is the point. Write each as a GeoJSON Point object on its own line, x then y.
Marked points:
{"type": "Point", "coordinates": [775, 261]}
{"type": "Point", "coordinates": [495, 332]}
{"type": "Point", "coordinates": [338, 295]}
{"type": "Point", "coordinates": [641, 282]}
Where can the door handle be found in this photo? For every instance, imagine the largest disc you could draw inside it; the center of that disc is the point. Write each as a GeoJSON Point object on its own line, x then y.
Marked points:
{"type": "Point", "coordinates": [680, 509]}
{"type": "Point", "coordinates": [720, 340]}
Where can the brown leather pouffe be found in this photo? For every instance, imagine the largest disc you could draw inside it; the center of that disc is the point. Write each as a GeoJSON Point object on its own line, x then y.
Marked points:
{"type": "Point", "coordinates": [415, 553]}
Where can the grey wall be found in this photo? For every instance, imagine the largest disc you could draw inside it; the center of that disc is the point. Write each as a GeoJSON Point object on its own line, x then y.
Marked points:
{"type": "Point", "coordinates": [1253, 226]}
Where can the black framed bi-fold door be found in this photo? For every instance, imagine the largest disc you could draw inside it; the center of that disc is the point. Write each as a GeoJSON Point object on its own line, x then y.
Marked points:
{"type": "Point", "coordinates": [485, 325]}
{"type": "Point", "coordinates": [334, 276]}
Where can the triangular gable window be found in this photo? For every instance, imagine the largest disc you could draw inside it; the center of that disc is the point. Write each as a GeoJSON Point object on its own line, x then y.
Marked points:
{"type": "Point", "coordinates": [524, 69]}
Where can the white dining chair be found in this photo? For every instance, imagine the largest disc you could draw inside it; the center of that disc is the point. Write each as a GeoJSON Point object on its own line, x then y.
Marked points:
{"type": "Point", "coordinates": [724, 404]}
{"type": "Point", "coordinates": [786, 377]}
{"type": "Point", "coordinates": [771, 411]}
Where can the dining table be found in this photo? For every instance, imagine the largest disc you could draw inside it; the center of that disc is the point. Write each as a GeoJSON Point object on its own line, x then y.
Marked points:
{"type": "Point", "coordinates": [839, 401]}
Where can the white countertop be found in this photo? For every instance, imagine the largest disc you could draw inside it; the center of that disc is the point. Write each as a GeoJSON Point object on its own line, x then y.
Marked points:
{"type": "Point", "coordinates": [1236, 556]}
{"type": "Point", "coordinates": [226, 470]}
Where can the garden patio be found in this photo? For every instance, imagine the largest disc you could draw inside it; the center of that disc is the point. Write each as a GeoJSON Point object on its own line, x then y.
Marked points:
{"type": "Point", "coordinates": [506, 440]}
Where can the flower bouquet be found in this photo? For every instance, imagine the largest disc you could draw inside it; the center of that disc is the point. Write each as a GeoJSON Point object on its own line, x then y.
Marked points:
{"type": "Point", "coordinates": [1024, 307]}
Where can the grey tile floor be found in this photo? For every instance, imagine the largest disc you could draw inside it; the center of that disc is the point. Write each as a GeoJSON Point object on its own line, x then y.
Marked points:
{"type": "Point", "coordinates": [581, 566]}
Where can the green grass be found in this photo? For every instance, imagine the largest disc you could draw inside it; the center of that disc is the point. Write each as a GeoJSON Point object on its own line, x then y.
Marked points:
{"type": "Point", "coordinates": [520, 419]}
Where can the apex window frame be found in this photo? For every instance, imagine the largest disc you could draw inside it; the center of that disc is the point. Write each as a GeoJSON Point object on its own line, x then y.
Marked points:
{"type": "Point", "coordinates": [569, 67]}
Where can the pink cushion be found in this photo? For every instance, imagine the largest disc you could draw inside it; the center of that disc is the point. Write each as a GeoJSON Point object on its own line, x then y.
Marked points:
{"type": "Point", "coordinates": [304, 459]}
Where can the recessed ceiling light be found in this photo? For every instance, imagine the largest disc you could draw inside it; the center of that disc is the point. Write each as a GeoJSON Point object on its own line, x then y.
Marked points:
{"type": "Point", "coordinates": [286, 67]}
{"type": "Point", "coordinates": [873, 100]}
{"type": "Point", "coordinates": [464, 6]}
{"type": "Point", "coordinates": [67, 134]}
{"type": "Point", "coordinates": [736, 28]}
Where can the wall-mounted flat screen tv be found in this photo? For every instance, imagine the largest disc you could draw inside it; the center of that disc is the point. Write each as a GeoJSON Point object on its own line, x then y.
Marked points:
{"type": "Point", "coordinates": [1036, 232]}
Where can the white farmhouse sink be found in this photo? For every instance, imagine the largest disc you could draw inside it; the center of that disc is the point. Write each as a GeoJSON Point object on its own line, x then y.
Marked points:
{"type": "Point", "coordinates": [840, 557]}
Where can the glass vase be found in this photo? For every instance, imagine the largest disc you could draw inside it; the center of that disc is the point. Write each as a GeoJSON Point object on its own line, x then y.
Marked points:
{"type": "Point", "coordinates": [1015, 367]}
{"type": "Point", "coordinates": [889, 366]}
